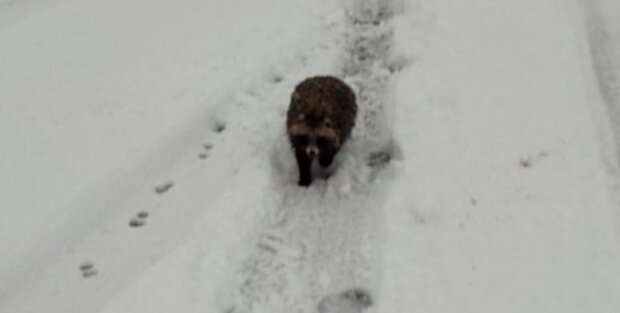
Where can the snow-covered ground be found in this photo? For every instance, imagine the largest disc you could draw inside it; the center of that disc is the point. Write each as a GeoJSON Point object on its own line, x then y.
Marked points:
{"type": "Point", "coordinates": [511, 206]}
{"type": "Point", "coordinates": [102, 100]}
{"type": "Point", "coordinates": [145, 169]}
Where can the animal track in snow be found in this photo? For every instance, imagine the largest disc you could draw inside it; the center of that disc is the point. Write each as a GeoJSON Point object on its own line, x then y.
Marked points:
{"type": "Point", "coordinates": [134, 222]}
{"type": "Point", "coordinates": [528, 161]}
{"type": "Point", "coordinates": [88, 270]}
{"type": "Point", "coordinates": [164, 187]}
{"type": "Point", "coordinates": [349, 301]}
{"type": "Point", "coordinates": [276, 79]}
{"type": "Point", "coordinates": [378, 159]}
{"type": "Point", "coordinates": [139, 220]}
{"type": "Point", "coordinates": [218, 127]}
{"type": "Point", "coordinates": [207, 147]}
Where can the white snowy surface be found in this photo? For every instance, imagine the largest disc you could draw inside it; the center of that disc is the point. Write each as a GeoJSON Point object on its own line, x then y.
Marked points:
{"type": "Point", "coordinates": [501, 194]}
{"type": "Point", "coordinates": [102, 100]}
{"type": "Point", "coordinates": [510, 206]}
{"type": "Point", "coordinates": [601, 19]}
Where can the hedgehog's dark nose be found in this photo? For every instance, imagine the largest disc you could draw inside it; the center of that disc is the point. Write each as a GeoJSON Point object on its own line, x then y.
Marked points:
{"type": "Point", "coordinates": [312, 151]}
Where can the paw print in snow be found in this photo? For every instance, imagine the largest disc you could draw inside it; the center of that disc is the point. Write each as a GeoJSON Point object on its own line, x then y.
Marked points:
{"type": "Point", "coordinates": [163, 188]}
{"type": "Point", "coordinates": [139, 220]}
{"type": "Point", "coordinates": [88, 270]}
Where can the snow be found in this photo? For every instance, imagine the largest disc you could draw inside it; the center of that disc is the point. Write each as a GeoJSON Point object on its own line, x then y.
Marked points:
{"type": "Point", "coordinates": [510, 207]}
{"type": "Point", "coordinates": [600, 21]}
{"type": "Point", "coordinates": [95, 116]}
{"type": "Point", "coordinates": [481, 175]}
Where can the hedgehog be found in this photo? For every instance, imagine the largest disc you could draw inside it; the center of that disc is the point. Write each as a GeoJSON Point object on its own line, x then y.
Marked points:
{"type": "Point", "coordinates": [319, 120]}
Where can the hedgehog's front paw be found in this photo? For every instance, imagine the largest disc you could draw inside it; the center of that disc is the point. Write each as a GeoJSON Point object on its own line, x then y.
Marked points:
{"type": "Point", "coordinates": [304, 182]}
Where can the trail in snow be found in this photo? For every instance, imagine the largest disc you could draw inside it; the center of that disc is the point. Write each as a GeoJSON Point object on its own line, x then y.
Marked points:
{"type": "Point", "coordinates": [320, 248]}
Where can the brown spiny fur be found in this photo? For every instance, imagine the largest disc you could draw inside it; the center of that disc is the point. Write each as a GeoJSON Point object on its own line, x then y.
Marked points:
{"type": "Point", "coordinates": [322, 108]}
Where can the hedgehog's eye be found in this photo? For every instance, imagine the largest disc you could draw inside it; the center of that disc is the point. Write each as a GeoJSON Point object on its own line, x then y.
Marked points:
{"type": "Point", "coordinates": [323, 142]}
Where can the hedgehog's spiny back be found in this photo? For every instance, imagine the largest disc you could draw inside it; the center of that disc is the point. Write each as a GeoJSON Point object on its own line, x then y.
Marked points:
{"type": "Point", "coordinates": [321, 97]}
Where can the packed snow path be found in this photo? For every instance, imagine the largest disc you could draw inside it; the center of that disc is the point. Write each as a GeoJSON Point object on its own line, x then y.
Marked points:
{"type": "Point", "coordinates": [320, 248]}
{"type": "Point", "coordinates": [489, 189]}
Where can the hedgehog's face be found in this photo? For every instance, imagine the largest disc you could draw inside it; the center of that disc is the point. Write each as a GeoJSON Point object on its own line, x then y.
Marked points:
{"type": "Point", "coordinates": [313, 144]}
{"type": "Point", "coordinates": [314, 137]}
